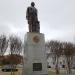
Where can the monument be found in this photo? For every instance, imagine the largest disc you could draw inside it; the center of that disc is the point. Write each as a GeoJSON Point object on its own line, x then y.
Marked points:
{"type": "Point", "coordinates": [31, 16]}
{"type": "Point", "coordinates": [34, 46]}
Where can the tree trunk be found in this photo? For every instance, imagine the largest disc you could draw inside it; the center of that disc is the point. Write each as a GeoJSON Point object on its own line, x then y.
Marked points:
{"type": "Point", "coordinates": [57, 67]}
{"type": "Point", "coordinates": [68, 65]}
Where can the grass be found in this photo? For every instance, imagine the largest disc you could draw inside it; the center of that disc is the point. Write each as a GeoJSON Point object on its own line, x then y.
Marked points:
{"type": "Point", "coordinates": [20, 73]}
{"type": "Point", "coordinates": [51, 73]}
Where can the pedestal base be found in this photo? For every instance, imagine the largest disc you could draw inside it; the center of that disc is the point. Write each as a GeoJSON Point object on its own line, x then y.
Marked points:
{"type": "Point", "coordinates": [34, 54]}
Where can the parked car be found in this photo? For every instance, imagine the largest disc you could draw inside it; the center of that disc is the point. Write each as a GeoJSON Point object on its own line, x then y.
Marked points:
{"type": "Point", "coordinates": [73, 67]}
{"type": "Point", "coordinates": [8, 68]}
{"type": "Point", "coordinates": [48, 66]}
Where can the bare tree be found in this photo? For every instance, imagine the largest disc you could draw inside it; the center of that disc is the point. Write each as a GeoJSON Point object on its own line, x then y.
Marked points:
{"type": "Point", "coordinates": [15, 45]}
{"type": "Point", "coordinates": [69, 51]}
{"type": "Point", "coordinates": [3, 44]}
{"type": "Point", "coordinates": [56, 49]}
{"type": "Point", "coordinates": [15, 48]}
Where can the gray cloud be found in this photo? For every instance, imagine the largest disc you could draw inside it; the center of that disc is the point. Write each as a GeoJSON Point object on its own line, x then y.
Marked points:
{"type": "Point", "coordinates": [56, 18]}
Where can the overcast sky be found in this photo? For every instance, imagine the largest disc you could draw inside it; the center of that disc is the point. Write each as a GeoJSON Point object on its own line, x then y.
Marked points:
{"type": "Point", "coordinates": [57, 18]}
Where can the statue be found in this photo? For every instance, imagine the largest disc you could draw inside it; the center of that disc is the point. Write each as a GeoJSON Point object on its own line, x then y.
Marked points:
{"type": "Point", "coordinates": [32, 17]}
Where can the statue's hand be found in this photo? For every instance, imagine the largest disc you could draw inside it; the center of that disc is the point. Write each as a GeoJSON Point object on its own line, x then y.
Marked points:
{"type": "Point", "coordinates": [27, 17]}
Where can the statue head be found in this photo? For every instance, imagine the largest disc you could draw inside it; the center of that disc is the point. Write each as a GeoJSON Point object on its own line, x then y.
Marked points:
{"type": "Point", "coordinates": [32, 4]}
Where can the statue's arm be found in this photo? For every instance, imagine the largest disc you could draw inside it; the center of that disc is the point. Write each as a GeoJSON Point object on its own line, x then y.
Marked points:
{"type": "Point", "coordinates": [27, 13]}
{"type": "Point", "coordinates": [37, 13]}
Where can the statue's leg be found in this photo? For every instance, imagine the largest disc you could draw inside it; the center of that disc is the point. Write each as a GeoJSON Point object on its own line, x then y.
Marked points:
{"type": "Point", "coordinates": [34, 27]}
{"type": "Point", "coordinates": [30, 26]}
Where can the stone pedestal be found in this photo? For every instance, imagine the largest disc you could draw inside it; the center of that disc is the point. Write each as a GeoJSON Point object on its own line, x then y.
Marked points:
{"type": "Point", "coordinates": [34, 54]}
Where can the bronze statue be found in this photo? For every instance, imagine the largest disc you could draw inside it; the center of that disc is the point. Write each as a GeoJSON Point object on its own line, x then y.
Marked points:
{"type": "Point", "coordinates": [32, 17]}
